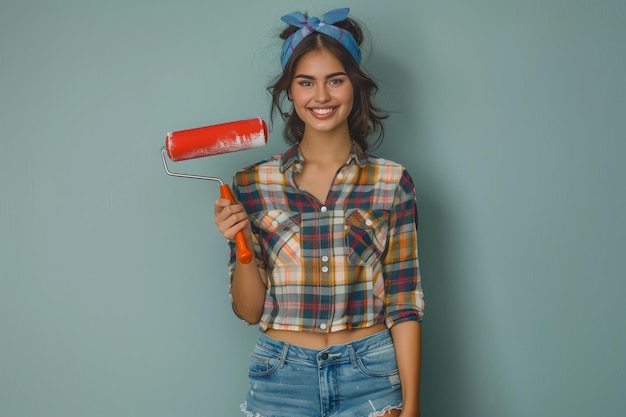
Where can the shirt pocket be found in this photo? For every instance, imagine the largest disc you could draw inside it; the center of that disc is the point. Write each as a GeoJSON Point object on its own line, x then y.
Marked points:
{"type": "Point", "coordinates": [366, 235]}
{"type": "Point", "coordinates": [279, 233]}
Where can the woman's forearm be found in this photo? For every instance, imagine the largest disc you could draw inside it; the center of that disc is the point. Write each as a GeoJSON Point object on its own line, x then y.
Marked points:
{"type": "Point", "coordinates": [248, 292]}
{"type": "Point", "coordinates": [407, 339]}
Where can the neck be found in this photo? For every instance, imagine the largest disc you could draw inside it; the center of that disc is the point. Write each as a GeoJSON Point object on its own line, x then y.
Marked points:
{"type": "Point", "coordinates": [325, 152]}
{"type": "Point", "coordinates": [326, 148]}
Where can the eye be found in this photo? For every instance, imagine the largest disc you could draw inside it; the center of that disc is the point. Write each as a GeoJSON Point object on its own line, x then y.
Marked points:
{"type": "Point", "coordinates": [336, 82]}
{"type": "Point", "coordinates": [305, 83]}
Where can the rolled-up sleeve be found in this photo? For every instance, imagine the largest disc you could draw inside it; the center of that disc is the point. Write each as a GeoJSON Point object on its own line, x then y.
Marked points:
{"type": "Point", "coordinates": [243, 196]}
{"type": "Point", "coordinates": [404, 297]}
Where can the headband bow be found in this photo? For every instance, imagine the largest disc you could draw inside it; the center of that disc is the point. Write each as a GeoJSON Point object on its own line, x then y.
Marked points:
{"type": "Point", "coordinates": [324, 25]}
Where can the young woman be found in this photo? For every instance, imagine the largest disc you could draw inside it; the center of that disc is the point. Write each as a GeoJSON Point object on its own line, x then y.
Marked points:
{"type": "Point", "coordinates": [335, 286]}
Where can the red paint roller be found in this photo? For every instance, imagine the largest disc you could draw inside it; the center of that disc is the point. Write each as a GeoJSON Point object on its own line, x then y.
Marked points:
{"type": "Point", "coordinates": [214, 140]}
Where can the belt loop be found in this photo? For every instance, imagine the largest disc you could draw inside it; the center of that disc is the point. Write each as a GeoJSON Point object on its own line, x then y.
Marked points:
{"type": "Point", "coordinates": [283, 356]}
{"type": "Point", "coordinates": [353, 358]}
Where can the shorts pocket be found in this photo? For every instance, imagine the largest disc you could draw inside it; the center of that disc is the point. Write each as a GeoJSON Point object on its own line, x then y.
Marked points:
{"type": "Point", "coordinates": [379, 362]}
{"type": "Point", "coordinates": [366, 235]}
{"type": "Point", "coordinates": [263, 363]}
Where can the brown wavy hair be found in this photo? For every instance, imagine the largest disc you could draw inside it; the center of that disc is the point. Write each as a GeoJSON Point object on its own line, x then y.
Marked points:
{"type": "Point", "coordinates": [365, 118]}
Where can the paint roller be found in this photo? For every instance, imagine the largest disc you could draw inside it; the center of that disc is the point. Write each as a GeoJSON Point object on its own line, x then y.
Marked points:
{"type": "Point", "coordinates": [214, 140]}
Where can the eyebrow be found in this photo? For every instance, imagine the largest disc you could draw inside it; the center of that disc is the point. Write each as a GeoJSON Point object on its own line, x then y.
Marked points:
{"type": "Point", "coordinates": [310, 77]}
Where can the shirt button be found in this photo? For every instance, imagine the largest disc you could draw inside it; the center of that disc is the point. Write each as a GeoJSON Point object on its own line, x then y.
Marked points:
{"type": "Point", "coordinates": [323, 326]}
{"type": "Point", "coordinates": [323, 209]}
{"type": "Point", "coordinates": [325, 258]}
{"type": "Point", "coordinates": [324, 269]}
{"type": "Point", "coordinates": [340, 175]}
{"type": "Point", "coordinates": [368, 222]}
{"type": "Point", "coordinates": [274, 223]}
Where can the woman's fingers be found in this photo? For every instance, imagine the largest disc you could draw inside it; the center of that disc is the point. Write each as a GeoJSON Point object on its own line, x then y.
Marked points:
{"type": "Point", "coordinates": [229, 218]}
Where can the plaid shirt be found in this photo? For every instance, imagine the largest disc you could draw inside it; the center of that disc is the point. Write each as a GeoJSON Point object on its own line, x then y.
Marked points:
{"type": "Point", "coordinates": [346, 263]}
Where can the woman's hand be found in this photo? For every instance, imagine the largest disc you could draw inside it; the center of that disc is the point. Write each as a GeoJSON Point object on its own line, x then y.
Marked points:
{"type": "Point", "coordinates": [231, 218]}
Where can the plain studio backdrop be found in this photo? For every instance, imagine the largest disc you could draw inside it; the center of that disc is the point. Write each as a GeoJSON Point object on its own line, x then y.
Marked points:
{"type": "Point", "coordinates": [113, 285]}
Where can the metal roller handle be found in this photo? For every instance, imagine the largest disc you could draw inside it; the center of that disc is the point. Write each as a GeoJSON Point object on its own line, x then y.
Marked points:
{"type": "Point", "coordinates": [174, 174]}
{"type": "Point", "coordinates": [244, 254]}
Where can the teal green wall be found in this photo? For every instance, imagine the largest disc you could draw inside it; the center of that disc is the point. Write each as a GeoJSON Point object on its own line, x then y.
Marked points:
{"type": "Point", "coordinates": [113, 285]}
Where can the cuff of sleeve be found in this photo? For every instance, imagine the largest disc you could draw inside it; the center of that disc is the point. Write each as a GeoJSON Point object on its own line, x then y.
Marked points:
{"type": "Point", "coordinates": [403, 315]}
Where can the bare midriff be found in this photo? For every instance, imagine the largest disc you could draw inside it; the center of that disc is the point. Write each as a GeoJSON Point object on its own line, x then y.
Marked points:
{"type": "Point", "coordinates": [318, 341]}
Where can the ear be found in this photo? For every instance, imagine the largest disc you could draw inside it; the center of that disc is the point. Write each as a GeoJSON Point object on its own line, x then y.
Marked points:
{"type": "Point", "coordinates": [289, 95]}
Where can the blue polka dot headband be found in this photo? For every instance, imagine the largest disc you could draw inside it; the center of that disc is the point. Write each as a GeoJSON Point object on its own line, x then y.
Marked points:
{"type": "Point", "coordinates": [323, 24]}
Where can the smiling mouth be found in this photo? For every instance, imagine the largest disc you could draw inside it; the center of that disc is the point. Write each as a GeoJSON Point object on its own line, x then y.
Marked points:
{"type": "Point", "coordinates": [323, 112]}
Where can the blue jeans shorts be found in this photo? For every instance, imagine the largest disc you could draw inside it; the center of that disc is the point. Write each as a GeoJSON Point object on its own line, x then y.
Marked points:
{"type": "Point", "coordinates": [358, 379]}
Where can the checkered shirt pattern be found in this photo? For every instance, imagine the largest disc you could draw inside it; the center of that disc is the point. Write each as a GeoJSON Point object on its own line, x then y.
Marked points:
{"type": "Point", "coordinates": [349, 262]}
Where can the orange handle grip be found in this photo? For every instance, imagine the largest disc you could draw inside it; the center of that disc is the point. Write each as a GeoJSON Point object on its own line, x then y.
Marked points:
{"type": "Point", "coordinates": [244, 254]}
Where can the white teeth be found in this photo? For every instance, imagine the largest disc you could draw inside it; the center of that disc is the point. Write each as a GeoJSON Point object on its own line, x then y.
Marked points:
{"type": "Point", "coordinates": [322, 111]}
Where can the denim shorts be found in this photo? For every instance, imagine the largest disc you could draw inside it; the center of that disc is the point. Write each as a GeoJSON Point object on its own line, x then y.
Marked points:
{"type": "Point", "coordinates": [358, 379]}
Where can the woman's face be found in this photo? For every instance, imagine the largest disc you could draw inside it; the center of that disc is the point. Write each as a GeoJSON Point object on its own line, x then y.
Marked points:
{"type": "Point", "coordinates": [322, 93]}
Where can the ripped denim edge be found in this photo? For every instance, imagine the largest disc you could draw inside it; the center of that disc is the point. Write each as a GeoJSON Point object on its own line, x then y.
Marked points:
{"type": "Point", "coordinates": [244, 408]}
{"type": "Point", "coordinates": [381, 413]}
{"type": "Point", "coordinates": [385, 410]}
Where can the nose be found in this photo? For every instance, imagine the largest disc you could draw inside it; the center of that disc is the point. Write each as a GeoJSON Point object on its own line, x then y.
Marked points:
{"type": "Point", "coordinates": [321, 93]}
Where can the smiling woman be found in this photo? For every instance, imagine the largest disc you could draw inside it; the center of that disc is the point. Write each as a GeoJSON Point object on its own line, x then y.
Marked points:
{"type": "Point", "coordinates": [336, 288]}
{"type": "Point", "coordinates": [366, 119]}
{"type": "Point", "coordinates": [322, 95]}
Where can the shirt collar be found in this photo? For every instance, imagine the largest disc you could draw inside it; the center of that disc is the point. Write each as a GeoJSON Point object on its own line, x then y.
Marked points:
{"type": "Point", "coordinates": [294, 157]}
